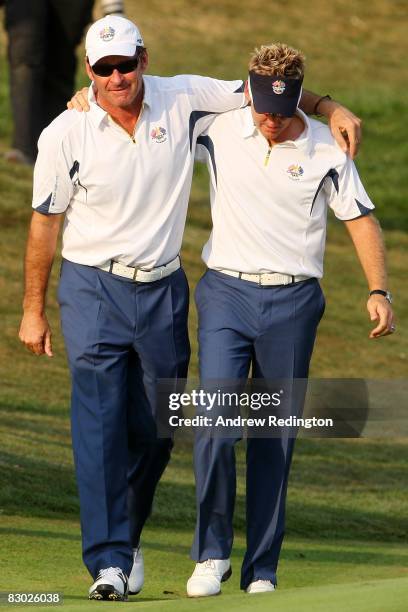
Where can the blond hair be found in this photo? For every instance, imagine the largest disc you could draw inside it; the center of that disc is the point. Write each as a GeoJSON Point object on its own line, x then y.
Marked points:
{"type": "Point", "coordinates": [278, 59]}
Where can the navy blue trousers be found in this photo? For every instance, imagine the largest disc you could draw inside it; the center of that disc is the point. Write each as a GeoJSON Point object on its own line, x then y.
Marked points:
{"type": "Point", "coordinates": [120, 337]}
{"type": "Point", "coordinates": [272, 329]}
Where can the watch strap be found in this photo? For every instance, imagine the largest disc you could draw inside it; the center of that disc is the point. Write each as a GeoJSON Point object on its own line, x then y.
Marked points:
{"type": "Point", "coordinates": [315, 111]}
{"type": "Point", "coordinates": [385, 294]}
{"type": "Point", "coordinates": [379, 292]}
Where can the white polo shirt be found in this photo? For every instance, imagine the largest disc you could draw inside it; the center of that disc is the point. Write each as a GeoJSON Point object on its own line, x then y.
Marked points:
{"type": "Point", "coordinates": [126, 198]}
{"type": "Point", "coordinates": [269, 208]}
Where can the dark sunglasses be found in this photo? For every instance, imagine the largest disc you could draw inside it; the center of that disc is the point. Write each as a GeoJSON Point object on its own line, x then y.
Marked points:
{"type": "Point", "coordinates": [105, 70]}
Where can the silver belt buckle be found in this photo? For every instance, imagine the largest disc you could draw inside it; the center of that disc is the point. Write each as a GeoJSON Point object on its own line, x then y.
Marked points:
{"type": "Point", "coordinates": [122, 270]}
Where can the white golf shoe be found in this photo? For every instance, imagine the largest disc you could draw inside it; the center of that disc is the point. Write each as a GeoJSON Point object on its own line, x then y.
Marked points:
{"type": "Point", "coordinates": [111, 584]}
{"type": "Point", "coordinates": [136, 577]}
{"type": "Point", "coordinates": [207, 577]}
{"type": "Point", "coordinates": [260, 586]}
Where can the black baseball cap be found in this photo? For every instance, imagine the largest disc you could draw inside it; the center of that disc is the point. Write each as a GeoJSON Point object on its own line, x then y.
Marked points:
{"type": "Point", "coordinates": [278, 95]}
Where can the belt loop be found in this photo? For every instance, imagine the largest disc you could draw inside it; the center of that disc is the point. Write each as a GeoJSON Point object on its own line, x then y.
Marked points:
{"type": "Point", "coordinates": [239, 274]}
{"type": "Point", "coordinates": [293, 279]}
{"type": "Point", "coordinates": [111, 266]}
{"type": "Point", "coordinates": [134, 274]}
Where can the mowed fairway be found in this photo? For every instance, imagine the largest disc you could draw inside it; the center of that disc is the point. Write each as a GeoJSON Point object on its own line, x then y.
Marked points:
{"type": "Point", "coordinates": [346, 544]}
{"type": "Point", "coordinates": [316, 574]}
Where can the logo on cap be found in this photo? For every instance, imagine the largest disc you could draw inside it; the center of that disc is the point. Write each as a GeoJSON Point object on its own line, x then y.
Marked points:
{"type": "Point", "coordinates": [295, 171]}
{"type": "Point", "coordinates": [158, 134]}
{"type": "Point", "coordinates": [278, 87]}
{"type": "Point", "coordinates": [107, 33]}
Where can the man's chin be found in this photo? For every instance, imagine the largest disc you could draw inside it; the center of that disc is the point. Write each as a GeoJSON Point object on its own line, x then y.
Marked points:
{"type": "Point", "coordinates": [271, 134]}
{"type": "Point", "coordinates": [121, 97]}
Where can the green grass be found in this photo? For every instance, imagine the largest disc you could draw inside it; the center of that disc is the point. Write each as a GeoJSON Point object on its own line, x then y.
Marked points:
{"type": "Point", "coordinates": [347, 524]}
{"type": "Point", "coordinates": [314, 571]}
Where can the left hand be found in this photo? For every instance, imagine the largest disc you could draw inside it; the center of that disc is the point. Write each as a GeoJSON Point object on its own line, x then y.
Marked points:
{"type": "Point", "coordinates": [380, 310]}
{"type": "Point", "coordinates": [345, 127]}
{"type": "Point", "coordinates": [79, 101]}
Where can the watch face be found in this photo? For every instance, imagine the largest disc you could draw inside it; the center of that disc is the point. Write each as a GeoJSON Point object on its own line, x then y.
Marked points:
{"type": "Point", "coordinates": [388, 297]}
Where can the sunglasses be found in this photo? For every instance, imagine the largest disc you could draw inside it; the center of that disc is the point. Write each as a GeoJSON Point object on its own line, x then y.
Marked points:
{"type": "Point", "coordinates": [105, 70]}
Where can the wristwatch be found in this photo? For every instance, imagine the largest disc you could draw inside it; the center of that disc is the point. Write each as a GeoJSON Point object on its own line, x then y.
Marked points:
{"type": "Point", "coordinates": [386, 294]}
{"type": "Point", "coordinates": [316, 106]}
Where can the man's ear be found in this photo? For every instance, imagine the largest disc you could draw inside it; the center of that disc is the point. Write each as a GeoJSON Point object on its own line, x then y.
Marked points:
{"type": "Point", "coordinates": [88, 69]}
{"type": "Point", "coordinates": [144, 61]}
{"type": "Point", "coordinates": [246, 91]}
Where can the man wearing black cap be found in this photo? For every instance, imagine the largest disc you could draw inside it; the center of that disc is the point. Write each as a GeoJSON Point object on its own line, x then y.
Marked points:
{"type": "Point", "coordinates": [260, 302]}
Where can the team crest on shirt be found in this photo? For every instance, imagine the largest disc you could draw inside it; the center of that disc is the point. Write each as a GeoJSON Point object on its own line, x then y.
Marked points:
{"type": "Point", "coordinates": [278, 87]}
{"type": "Point", "coordinates": [107, 33]}
{"type": "Point", "coordinates": [295, 171]}
{"type": "Point", "coordinates": [159, 134]}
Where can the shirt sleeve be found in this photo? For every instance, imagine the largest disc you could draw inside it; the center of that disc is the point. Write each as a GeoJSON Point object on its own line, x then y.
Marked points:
{"type": "Point", "coordinates": [53, 175]}
{"type": "Point", "coordinates": [214, 95]}
{"type": "Point", "coordinates": [346, 193]}
{"type": "Point", "coordinates": [209, 97]}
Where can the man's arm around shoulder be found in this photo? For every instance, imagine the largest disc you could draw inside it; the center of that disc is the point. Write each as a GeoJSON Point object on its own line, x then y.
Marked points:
{"type": "Point", "coordinates": [343, 124]}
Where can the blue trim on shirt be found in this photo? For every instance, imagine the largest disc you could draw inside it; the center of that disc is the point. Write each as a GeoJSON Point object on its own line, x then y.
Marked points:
{"type": "Point", "coordinates": [194, 117]}
{"type": "Point", "coordinates": [44, 208]}
{"type": "Point", "coordinates": [334, 175]}
{"type": "Point", "coordinates": [209, 145]}
{"type": "Point", "coordinates": [74, 169]}
{"type": "Point", "coordinates": [363, 209]}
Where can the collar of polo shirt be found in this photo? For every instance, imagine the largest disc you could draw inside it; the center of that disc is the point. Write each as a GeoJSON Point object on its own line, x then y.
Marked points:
{"type": "Point", "coordinates": [99, 114]}
{"type": "Point", "coordinates": [304, 142]}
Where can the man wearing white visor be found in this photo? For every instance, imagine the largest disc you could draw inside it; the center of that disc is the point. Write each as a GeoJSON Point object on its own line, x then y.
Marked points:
{"type": "Point", "coordinates": [260, 302]}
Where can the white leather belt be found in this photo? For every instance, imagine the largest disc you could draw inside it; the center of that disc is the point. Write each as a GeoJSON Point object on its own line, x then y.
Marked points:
{"type": "Point", "coordinates": [138, 275]}
{"type": "Point", "coordinates": [267, 279]}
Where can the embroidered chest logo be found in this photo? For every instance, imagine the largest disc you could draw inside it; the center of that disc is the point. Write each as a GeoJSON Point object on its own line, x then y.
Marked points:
{"type": "Point", "coordinates": [159, 134]}
{"type": "Point", "coordinates": [278, 87]}
{"type": "Point", "coordinates": [107, 33]}
{"type": "Point", "coordinates": [295, 171]}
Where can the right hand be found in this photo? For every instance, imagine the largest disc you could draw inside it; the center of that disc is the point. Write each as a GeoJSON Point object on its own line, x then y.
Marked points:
{"type": "Point", "coordinates": [380, 311]}
{"type": "Point", "coordinates": [345, 127]}
{"type": "Point", "coordinates": [79, 101]}
{"type": "Point", "coordinates": [35, 333]}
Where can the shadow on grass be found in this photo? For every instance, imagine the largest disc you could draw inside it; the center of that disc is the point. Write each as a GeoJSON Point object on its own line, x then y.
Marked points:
{"type": "Point", "coordinates": [307, 552]}
{"type": "Point", "coordinates": [335, 554]}
{"type": "Point", "coordinates": [34, 487]}
{"type": "Point", "coordinates": [132, 599]}
{"type": "Point", "coordinates": [37, 487]}
{"type": "Point", "coordinates": [37, 533]}
{"type": "Point", "coordinates": [317, 519]}
{"type": "Point", "coordinates": [9, 406]}
{"type": "Point", "coordinates": [310, 554]}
